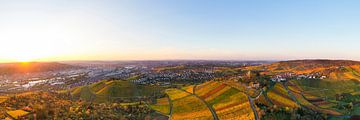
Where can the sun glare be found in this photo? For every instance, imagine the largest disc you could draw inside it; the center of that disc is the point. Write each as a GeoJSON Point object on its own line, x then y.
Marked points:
{"type": "Point", "coordinates": [24, 59]}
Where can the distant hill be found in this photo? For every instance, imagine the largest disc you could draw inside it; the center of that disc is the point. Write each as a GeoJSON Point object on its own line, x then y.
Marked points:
{"type": "Point", "coordinates": [108, 90]}
{"type": "Point", "coordinates": [31, 67]}
{"type": "Point", "coordinates": [333, 69]}
{"type": "Point", "coordinates": [310, 64]}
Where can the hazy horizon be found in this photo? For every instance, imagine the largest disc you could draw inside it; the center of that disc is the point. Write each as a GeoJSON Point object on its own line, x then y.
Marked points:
{"type": "Point", "coordinates": [40, 30]}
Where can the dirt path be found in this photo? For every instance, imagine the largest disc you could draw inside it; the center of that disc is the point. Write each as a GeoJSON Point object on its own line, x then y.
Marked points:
{"type": "Point", "coordinates": [171, 107]}
{"type": "Point", "coordinates": [252, 104]}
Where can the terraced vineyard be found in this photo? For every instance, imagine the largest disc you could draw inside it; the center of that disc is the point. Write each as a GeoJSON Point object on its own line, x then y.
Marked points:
{"type": "Point", "coordinates": [279, 96]}
{"type": "Point", "coordinates": [307, 102]}
{"type": "Point", "coordinates": [228, 102]}
{"type": "Point", "coordinates": [187, 106]}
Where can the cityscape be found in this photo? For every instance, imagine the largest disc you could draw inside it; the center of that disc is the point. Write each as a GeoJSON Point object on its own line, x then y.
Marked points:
{"type": "Point", "coordinates": [179, 60]}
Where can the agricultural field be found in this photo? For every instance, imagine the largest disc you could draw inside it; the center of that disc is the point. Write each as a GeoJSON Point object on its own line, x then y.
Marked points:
{"type": "Point", "coordinates": [16, 114]}
{"type": "Point", "coordinates": [187, 106]}
{"type": "Point", "coordinates": [189, 88]}
{"type": "Point", "coordinates": [175, 94]}
{"type": "Point", "coordinates": [162, 105]}
{"type": "Point", "coordinates": [3, 99]}
{"type": "Point", "coordinates": [328, 88]}
{"type": "Point", "coordinates": [203, 89]}
{"type": "Point", "coordinates": [279, 96]}
{"type": "Point", "coordinates": [312, 103]}
{"type": "Point", "coordinates": [228, 102]}
{"type": "Point", "coordinates": [263, 100]}
{"type": "Point", "coordinates": [232, 104]}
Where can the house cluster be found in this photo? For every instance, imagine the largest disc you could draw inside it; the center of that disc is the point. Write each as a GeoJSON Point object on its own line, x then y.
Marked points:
{"type": "Point", "coordinates": [165, 78]}
{"type": "Point", "coordinates": [255, 85]}
{"type": "Point", "coordinates": [311, 76]}
{"type": "Point", "coordinates": [283, 77]}
{"type": "Point", "coordinates": [286, 76]}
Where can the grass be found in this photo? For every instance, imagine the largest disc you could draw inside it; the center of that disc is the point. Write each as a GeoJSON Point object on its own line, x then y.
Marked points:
{"type": "Point", "coordinates": [118, 89]}
{"type": "Point", "coordinates": [356, 110]}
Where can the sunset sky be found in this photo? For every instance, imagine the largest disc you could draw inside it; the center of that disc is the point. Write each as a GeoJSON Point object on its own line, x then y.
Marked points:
{"type": "Point", "coordinates": [58, 30]}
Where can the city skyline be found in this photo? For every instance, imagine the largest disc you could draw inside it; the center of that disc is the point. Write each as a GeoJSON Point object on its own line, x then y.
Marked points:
{"type": "Point", "coordinates": [40, 30]}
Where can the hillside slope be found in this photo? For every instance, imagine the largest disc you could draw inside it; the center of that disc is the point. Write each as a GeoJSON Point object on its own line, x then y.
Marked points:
{"type": "Point", "coordinates": [332, 69]}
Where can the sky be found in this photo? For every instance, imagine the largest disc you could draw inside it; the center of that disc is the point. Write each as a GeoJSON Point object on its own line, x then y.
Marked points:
{"type": "Point", "coordinates": [61, 30]}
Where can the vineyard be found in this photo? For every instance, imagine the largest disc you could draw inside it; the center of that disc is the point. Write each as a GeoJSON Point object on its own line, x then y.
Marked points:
{"type": "Point", "coordinates": [228, 102]}
{"type": "Point", "coordinates": [175, 94]}
{"type": "Point", "coordinates": [187, 106]}
{"type": "Point", "coordinates": [279, 96]}
{"type": "Point", "coordinates": [162, 105]}
{"type": "Point", "coordinates": [189, 89]}
{"type": "Point", "coordinates": [232, 104]}
{"type": "Point", "coordinates": [203, 89]}
{"type": "Point", "coordinates": [312, 102]}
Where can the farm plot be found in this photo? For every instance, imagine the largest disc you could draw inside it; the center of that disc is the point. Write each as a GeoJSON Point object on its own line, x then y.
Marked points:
{"type": "Point", "coordinates": [279, 96]}
{"type": "Point", "coordinates": [187, 106]}
{"type": "Point", "coordinates": [162, 105]}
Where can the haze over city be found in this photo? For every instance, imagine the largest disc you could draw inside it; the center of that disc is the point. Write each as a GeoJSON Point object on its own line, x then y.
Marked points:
{"type": "Point", "coordinates": [48, 30]}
